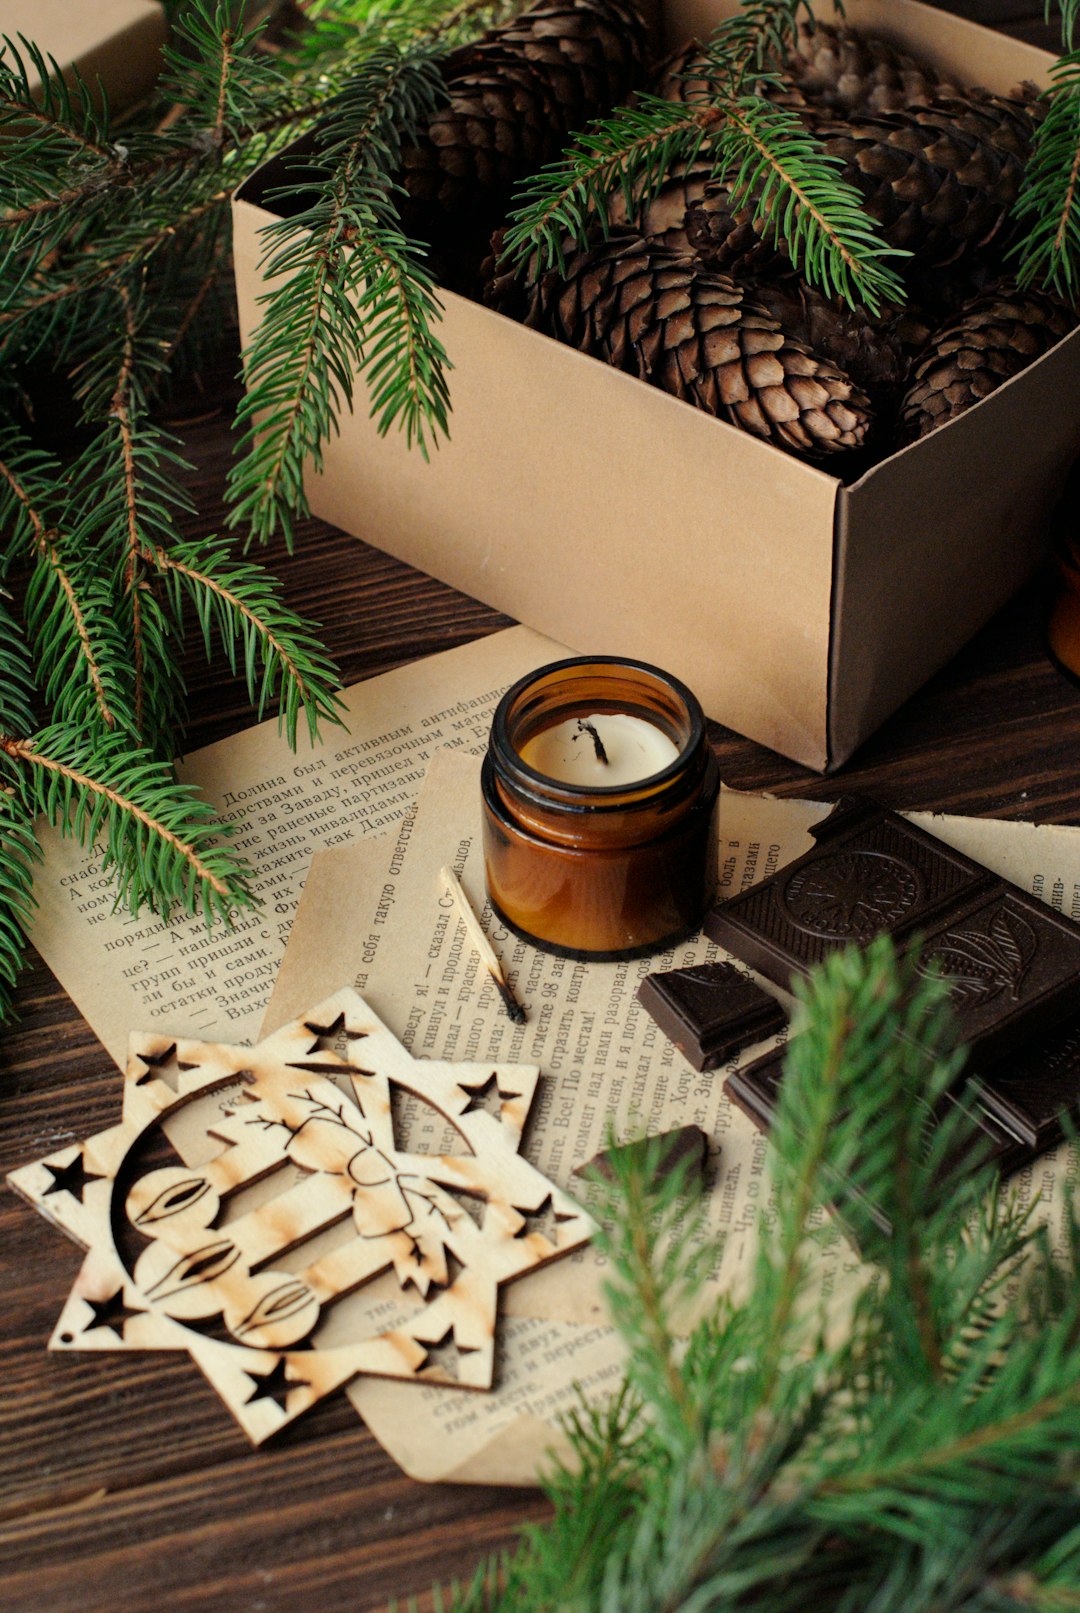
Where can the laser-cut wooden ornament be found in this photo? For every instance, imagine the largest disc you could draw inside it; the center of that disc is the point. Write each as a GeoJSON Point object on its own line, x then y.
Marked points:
{"type": "Point", "coordinates": [291, 1241]}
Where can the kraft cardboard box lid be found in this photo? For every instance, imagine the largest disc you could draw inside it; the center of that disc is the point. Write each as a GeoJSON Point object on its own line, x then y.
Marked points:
{"type": "Point", "coordinates": [116, 42]}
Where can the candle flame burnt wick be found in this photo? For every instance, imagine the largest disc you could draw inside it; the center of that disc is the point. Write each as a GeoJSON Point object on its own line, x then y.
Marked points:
{"type": "Point", "coordinates": [598, 744]}
{"type": "Point", "coordinates": [453, 888]}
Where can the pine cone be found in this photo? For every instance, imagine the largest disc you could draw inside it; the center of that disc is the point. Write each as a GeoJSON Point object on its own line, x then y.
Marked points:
{"type": "Point", "coordinates": [875, 350]}
{"type": "Point", "coordinates": [995, 337]}
{"type": "Point", "coordinates": [850, 73]}
{"type": "Point", "coordinates": [663, 217]}
{"type": "Point", "coordinates": [699, 336]}
{"type": "Point", "coordinates": [515, 97]}
{"type": "Point", "coordinates": [727, 238]}
{"type": "Point", "coordinates": [671, 79]}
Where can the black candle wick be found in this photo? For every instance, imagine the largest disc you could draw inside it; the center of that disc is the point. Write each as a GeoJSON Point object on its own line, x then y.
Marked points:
{"type": "Point", "coordinates": [598, 744]}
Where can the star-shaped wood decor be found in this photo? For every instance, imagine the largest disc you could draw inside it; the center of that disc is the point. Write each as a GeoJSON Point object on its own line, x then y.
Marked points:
{"type": "Point", "coordinates": [293, 1228]}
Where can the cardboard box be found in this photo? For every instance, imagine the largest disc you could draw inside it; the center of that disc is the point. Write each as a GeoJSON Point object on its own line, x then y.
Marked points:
{"type": "Point", "coordinates": [618, 519]}
{"type": "Point", "coordinates": [116, 42]}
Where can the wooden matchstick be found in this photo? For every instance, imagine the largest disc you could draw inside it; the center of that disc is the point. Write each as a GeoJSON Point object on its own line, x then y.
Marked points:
{"type": "Point", "coordinates": [453, 888]}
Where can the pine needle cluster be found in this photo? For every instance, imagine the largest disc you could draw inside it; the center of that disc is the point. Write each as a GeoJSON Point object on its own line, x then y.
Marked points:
{"type": "Point", "coordinates": [761, 150]}
{"type": "Point", "coordinates": [920, 1458]}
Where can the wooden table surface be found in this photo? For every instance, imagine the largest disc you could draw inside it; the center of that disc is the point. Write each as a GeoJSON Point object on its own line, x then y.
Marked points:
{"type": "Point", "coordinates": [124, 1485]}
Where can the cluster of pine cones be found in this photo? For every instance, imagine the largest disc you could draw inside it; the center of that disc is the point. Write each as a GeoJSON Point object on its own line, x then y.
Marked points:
{"type": "Point", "coordinates": [687, 292]}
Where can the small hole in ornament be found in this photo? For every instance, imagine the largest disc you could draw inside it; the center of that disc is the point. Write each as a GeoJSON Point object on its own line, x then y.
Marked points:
{"type": "Point", "coordinates": [67, 1338]}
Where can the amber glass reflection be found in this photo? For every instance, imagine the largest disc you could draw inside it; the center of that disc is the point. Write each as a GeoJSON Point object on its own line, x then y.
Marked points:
{"type": "Point", "coordinates": [591, 871]}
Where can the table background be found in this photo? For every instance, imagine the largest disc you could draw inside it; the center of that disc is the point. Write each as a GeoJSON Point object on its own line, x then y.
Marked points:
{"type": "Point", "coordinates": [124, 1484]}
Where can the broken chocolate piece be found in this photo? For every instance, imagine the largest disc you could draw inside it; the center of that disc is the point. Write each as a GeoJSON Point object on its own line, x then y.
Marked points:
{"type": "Point", "coordinates": [1012, 962]}
{"type": "Point", "coordinates": [711, 1011]}
{"type": "Point", "coordinates": [687, 1143]}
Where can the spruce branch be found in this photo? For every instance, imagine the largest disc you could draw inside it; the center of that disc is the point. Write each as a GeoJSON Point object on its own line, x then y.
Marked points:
{"type": "Point", "coordinates": [19, 851]}
{"type": "Point", "coordinates": [651, 1231]}
{"type": "Point", "coordinates": [159, 839]}
{"type": "Point", "coordinates": [282, 660]}
{"type": "Point", "coordinates": [78, 650]}
{"type": "Point", "coordinates": [924, 1461]}
{"type": "Point", "coordinates": [16, 676]}
{"type": "Point", "coordinates": [346, 244]}
{"type": "Point", "coordinates": [61, 108]}
{"type": "Point", "coordinates": [1069, 11]}
{"type": "Point", "coordinates": [1049, 200]}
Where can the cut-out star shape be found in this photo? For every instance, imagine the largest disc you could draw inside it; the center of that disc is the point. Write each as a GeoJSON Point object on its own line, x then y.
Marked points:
{"type": "Point", "coordinates": [487, 1097]}
{"type": "Point", "coordinates": [354, 1201]}
{"type": "Point", "coordinates": [545, 1220]}
{"type": "Point", "coordinates": [446, 1355]}
{"type": "Point", "coordinates": [113, 1313]}
{"type": "Point", "coordinates": [166, 1067]}
{"type": "Point", "coordinates": [70, 1178]}
{"type": "Point", "coordinates": [275, 1385]}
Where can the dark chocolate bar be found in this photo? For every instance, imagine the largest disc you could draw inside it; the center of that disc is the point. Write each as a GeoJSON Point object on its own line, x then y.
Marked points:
{"type": "Point", "coordinates": [711, 1011]}
{"type": "Point", "coordinates": [871, 872]}
{"type": "Point", "coordinates": [1013, 963]}
{"type": "Point", "coordinates": [1013, 966]}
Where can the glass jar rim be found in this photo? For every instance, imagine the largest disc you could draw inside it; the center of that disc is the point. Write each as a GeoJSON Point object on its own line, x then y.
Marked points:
{"type": "Point", "coordinates": [593, 797]}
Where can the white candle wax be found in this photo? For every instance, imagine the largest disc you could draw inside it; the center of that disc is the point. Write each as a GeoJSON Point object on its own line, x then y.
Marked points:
{"type": "Point", "coordinates": [603, 748]}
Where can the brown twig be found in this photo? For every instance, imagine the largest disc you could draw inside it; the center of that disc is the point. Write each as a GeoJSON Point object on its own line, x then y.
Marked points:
{"type": "Point", "coordinates": [120, 410]}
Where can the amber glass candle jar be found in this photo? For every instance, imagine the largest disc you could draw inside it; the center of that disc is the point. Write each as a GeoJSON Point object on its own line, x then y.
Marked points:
{"type": "Point", "coordinates": [593, 870]}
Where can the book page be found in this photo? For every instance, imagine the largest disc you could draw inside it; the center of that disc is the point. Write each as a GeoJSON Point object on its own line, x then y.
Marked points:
{"type": "Point", "coordinates": [604, 1062]}
{"type": "Point", "coordinates": [129, 974]}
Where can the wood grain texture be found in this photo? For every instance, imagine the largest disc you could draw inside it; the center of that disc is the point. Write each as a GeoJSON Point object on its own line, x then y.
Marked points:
{"type": "Point", "coordinates": [122, 1486]}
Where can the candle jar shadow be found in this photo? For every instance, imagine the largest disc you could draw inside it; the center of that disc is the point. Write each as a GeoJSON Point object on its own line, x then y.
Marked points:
{"type": "Point", "coordinates": [591, 870]}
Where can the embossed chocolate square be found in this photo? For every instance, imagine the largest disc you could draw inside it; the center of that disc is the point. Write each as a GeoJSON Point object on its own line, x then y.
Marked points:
{"type": "Point", "coordinates": [871, 872]}
{"type": "Point", "coordinates": [711, 1011]}
{"type": "Point", "coordinates": [1013, 966]}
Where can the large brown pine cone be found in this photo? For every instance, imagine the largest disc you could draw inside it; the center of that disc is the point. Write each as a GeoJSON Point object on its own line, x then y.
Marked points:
{"type": "Point", "coordinates": [851, 73]}
{"type": "Point", "coordinates": [701, 337]}
{"type": "Point", "coordinates": [996, 336]}
{"type": "Point", "coordinates": [662, 218]}
{"type": "Point", "coordinates": [875, 350]}
{"type": "Point", "coordinates": [515, 97]}
{"type": "Point", "coordinates": [940, 180]}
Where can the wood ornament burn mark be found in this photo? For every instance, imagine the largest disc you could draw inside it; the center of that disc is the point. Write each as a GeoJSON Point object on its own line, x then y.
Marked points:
{"type": "Point", "coordinates": [289, 1200]}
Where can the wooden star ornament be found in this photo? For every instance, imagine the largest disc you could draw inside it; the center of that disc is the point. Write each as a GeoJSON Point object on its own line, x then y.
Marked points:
{"type": "Point", "coordinates": [269, 1210]}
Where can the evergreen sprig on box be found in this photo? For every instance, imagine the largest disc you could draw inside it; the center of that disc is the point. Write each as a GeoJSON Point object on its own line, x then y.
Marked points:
{"type": "Point", "coordinates": [916, 1454]}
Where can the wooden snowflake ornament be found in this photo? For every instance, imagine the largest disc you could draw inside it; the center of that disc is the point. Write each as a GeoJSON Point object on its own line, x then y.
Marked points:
{"type": "Point", "coordinates": [270, 1211]}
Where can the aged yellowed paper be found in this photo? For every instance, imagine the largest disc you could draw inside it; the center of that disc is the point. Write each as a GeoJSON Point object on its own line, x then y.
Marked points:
{"type": "Point", "coordinates": [129, 974]}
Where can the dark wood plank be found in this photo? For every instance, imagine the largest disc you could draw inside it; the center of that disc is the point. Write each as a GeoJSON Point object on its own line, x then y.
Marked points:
{"type": "Point", "coordinates": [123, 1483]}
